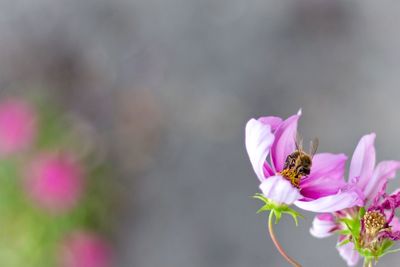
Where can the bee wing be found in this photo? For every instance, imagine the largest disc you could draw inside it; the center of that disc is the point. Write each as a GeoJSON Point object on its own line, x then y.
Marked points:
{"type": "Point", "coordinates": [314, 146]}
{"type": "Point", "coordinates": [299, 142]}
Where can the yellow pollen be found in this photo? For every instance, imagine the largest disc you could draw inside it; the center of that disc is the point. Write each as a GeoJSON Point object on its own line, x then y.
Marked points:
{"type": "Point", "coordinates": [374, 221]}
{"type": "Point", "coordinates": [292, 177]}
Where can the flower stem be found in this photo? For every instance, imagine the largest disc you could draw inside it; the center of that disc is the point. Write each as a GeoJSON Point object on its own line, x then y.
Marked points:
{"type": "Point", "coordinates": [276, 243]}
{"type": "Point", "coordinates": [367, 263]}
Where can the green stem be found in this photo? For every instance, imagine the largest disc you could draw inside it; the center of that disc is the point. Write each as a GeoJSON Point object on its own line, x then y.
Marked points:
{"type": "Point", "coordinates": [277, 244]}
{"type": "Point", "coordinates": [367, 263]}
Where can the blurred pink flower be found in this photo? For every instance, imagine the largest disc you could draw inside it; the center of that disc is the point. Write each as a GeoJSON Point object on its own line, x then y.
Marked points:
{"type": "Point", "coordinates": [54, 182]}
{"type": "Point", "coordinates": [84, 249]}
{"type": "Point", "coordinates": [17, 126]}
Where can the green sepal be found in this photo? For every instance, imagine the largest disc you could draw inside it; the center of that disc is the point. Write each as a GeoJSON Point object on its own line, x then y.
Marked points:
{"type": "Point", "coordinates": [391, 251]}
{"type": "Point", "coordinates": [353, 226]}
{"type": "Point", "coordinates": [277, 209]}
{"type": "Point", "coordinates": [366, 253]}
{"type": "Point", "coordinates": [344, 232]}
{"type": "Point", "coordinates": [384, 248]}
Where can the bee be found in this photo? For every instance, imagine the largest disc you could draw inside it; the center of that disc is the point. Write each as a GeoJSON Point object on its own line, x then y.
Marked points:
{"type": "Point", "coordinates": [299, 162]}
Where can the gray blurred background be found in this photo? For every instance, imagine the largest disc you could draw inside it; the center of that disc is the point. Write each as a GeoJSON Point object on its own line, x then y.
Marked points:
{"type": "Point", "coordinates": [170, 85]}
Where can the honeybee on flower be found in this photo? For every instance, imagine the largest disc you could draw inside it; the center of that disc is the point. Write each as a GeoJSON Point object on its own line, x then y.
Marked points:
{"type": "Point", "coordinates": [311, 182]}
{"type": "Point", "coordinates": [288, 175]}
{"type": "Point", "coordinates": [299, 163]}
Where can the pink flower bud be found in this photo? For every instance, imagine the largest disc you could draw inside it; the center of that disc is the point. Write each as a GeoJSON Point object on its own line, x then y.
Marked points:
{"type": "Point", "coordinates": [83, 249]}
{"type": "Point", "coordinates": [54, 182]}
{"type": "Point", "coordinates": [324, 225]}
{"type": "Point", "coordinates": [17, 126]}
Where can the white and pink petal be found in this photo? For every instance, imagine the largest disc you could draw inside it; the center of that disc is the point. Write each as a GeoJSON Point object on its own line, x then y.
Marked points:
{"type": "Point", "coordinates": [348, 252]}
{"type": "Point", "coordinates": [323, 225]}
{"type": "Point", "coordinates": [272, 121]}
{"type": "Point", "coordinates": [259, 140]}
{"type": "Point", "coordinates": [363, 161]}
{"type": "Point", "coordinates": [384, 170]}
{"type": "Point", "coordinates": [279, 190]}
{"type": "Point", "coordinates": [342, 200]}
{"type": "Point", "coordinates": [285, 142]}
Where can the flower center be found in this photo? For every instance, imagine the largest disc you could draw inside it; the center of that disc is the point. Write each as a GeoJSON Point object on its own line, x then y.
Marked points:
{"type": "Point", "coordinates": [374, 221]}
{"type": "Point", "coordinates": [291, 176]}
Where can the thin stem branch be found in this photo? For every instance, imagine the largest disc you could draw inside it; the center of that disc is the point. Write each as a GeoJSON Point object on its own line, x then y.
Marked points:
{"type": "Point", "coordinates": [277, 244]}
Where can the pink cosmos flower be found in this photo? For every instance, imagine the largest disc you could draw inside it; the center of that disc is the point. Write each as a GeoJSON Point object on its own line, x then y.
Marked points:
{"type": "Point", "coordinates": [323, 190]}
{"type": "Point", "coordinates": [384, 207]}
{"type": "Point", "coordinates": [83, 249]}
{"type": "Point", "coordinates": [378, 224]}
{"type": "Point", "coordinates": [54, 182]}
{"type": "Point", "coordinates": [17, 126]}
{"type": "Point", "coordinates": [370, 181]}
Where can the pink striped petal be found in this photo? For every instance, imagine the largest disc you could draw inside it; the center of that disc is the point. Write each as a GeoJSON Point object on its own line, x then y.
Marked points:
{"type": "Point", "coordinates": [268, 171]}
{"type": "Point", "coordinates": [348, 253]}
{"type": "Point", "coordinates": [339, 201]}
{"type": "Point", "coordinates": [284, 143]}
{"type": "Point", "coordinates": [326, 177]}
{"type": "Point", "coordinates": [363, 161]}
{"type": "Point", "coordinates": [323, 225]}
{"type": "Point", "coordinates": [384, 170]}
{"type": "Point", "coordinates": [279, 190]}
{"type": "Point", "coordinates": [259, 139]}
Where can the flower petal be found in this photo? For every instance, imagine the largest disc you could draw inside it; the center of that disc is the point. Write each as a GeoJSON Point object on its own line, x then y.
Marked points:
{"type": "Point", "coordinates": [343, 199]}
{"type": "Point", "coordinates": [326, 177]}
{"type": "Point", "coordinates": [384, 170]}
{"type": "Point", "coordinates": [327, 164]}
{"type": "Point", "coordinates": [363, 161]}
{"type": "Point", "coordinates": [395, 224]}
{"type": "Point", "coordinates": [268, 171]}
{"type": "Point", "coordinates": [323, 225]}
{"type": "Point", "coordinates": [259, 139]}
{"type": "Point", "coordinates": [348, 253]}
{"type": "Point", "coordinates": [272, 121]}
{"type": "Point", "coordinates": [284, 144]}
{"type": "Point", "coordinates": [279, 190]}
